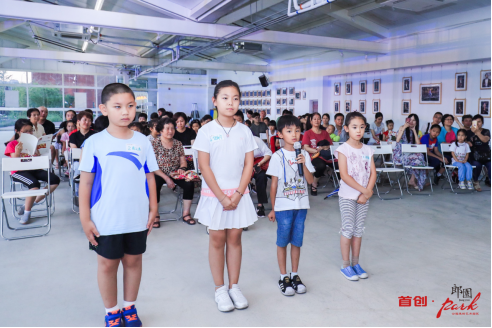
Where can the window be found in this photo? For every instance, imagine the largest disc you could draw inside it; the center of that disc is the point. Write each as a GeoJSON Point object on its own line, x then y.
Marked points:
{"type": "Point", "coordinates": [22, 97]}
{"type": "Point", "coordinates": [78, 80]}
{"type": "Point", "coordinates": [72, 100]}
{"type": "Point", "coordinates": [44, 78]}
{"type": "Point", "coordinates": [49, 97]}
{"type": "Point", "coordinates": [103, 80]}
{"type": "Point", "coordinates": [138, 84]}
{"type": "Point", "coordinates": [13, 77]}
{"type": "Point", "coordinates": [8, 117]}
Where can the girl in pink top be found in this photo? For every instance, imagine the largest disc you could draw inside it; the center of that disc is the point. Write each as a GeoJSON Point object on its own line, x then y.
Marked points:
{"type": "Point", "coordinates": [358, 175]}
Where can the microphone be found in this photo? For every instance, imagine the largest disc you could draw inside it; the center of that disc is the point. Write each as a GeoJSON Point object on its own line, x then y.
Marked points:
{"type": "Point", "coordinates": [297, 148]}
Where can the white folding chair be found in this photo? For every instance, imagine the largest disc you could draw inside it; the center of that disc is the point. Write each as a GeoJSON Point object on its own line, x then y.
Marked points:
{"type": "Point", "coordinates": [25, 164]}
{"type": "Point", "coordinates": [414, 149]}
{"type": "Point", "coordinates": [446, 147]}
{"type": "Point", "coordinates": [367, 135]}
{"type": "Point", "coordinates": [336, 144]}
{"type": "Point", "coordinates": [333, 148]}
{"type": "Point", "coordinates": [75, 154]}
{"type": "Point", "coordinates": [385, 150]}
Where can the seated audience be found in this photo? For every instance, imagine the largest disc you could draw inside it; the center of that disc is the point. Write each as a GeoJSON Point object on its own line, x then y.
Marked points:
{"type": "Point", "coordinates": [331, 131]}
{"type": "Point", "coordinates": [339, 130]}
{"type": "Point", "coordinates": [195, 125]}
{"type": "Point", "coordinates": [480, 151]}
{"type": "Point", "coordinates": [161, 112]}
{"type": "Point", "coordinates": [38, 129]}
{"type": "Point", "coordinates": [262, 156]}
{"type": "Point", "coordinates": [84, 120]}
{"type": "Point", "coordinates": [205, 119]}
{"type": "Point", "coordinates": [258, 127]}
{"type": "Point", "coordinates": [460, 151]}
{"type": "Point", "coordinates": [266, 120]}
{"type": "Point", "coordinates": [136, 126]}
{"type": "Point", "coordinates": [152, 128]}
{"type": "Point", "coordinates": [325, 121]}
{"type": "Point", "coordinates": [448, 132]}
{"type": "Point", "coordinates": [247, 123]}
{"type": "Point", "coordinates": [390, 134]}
{"type": "Point", "coordinates": [70, 126]}
{"type": "Point", "coordinates": [436, 119]}
{"type": "Point", "coordinates": [49, 128]}
{"type": "Point", "coordinates": [434, 156]}
{"type": "Point", "coordinates": [101, 123]}
{"type": "Point", "coordinates": [314, 141]}
{"type": "Point", "coordinates": [170, 157]}
{"type": "Point", "coordinates": [184, 134]}
{"type": "Point", "coordinates": [272, 130]}
{"type": "Point", "coordinates": [377, 129]}
{"type": "Point", "coordinates": [239, 117]}
{"type": "Point", "coordinates": [249, 114]}
{"type": "Point", "coordinates": [407, 134]}
{"type": "Point", "coordinates": [29, 178]}
{"type": "Point", "coordinates": [142, 117]}
{"type": "Point", "coordinates": [153, 116]}
{"type": "Point", "coordinates": [466, 121]}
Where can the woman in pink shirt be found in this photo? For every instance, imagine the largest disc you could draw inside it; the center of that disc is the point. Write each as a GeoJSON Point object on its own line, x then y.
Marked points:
{"type": "Point", "coordinates": [358, 175]}
{"type": "Point", "coordinates": [314, 141]}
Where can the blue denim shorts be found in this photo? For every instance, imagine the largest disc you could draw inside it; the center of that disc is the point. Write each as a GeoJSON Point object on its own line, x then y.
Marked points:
{"type": "Point", "coordinates": [290, 227]}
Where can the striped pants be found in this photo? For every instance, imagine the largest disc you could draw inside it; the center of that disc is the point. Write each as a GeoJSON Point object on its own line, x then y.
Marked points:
{"type": "Point", "coordinates": [353, 217]}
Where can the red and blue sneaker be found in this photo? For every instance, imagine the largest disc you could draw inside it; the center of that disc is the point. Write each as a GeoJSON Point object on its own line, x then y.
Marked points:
{"type": "Point", "coordinates": [113, 319]}
{"type": "Point", "coordinates": [130, 317]}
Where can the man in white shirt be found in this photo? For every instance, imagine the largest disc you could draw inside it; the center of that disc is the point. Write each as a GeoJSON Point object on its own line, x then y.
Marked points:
{"type": "Point", "coordinates": [262, 156]}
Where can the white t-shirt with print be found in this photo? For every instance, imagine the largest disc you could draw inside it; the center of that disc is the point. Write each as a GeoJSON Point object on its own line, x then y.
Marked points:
{"type": "Point", "coordinates": [227, 154]}
{"type": "Point", "coordinates": [460, 151]}
{"type": "Point", "coordinates": [358, 167]}
{"type": "Point", "coordinates": [292, 189]}
{"type": "Point", "coordinates": [120, 193]}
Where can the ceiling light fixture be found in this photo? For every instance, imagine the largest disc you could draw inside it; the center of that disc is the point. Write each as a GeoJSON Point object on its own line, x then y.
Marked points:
{"type": "Point", "coordinates": [99, 4]}
{"type": "Point", "coordinates": [84, 46]}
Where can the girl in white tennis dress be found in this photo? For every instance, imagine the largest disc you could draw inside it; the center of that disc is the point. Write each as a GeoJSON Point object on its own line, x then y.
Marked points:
{"type": "Point", "coordinates": [225, 157]}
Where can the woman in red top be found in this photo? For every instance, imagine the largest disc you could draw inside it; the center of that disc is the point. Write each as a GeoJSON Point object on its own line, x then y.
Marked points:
{"type": "Point", "coordinates": [312, 137]}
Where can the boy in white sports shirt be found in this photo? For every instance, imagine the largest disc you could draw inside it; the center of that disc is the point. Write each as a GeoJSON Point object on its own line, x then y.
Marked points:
{"type": "Point", "coordinates": [118, 202]}
{"type": "Point", "coordinates": [290, 201]}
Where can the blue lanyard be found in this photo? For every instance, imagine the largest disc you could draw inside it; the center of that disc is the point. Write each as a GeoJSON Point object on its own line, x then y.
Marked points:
{"type": "Point", "coordinates": [283, 158]}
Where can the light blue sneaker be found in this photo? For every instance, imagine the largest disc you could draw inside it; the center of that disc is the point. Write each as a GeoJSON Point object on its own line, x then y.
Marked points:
{"type": "Point", "coordinates": [349, 273]}
{"type": "Point", "coordinates": [360, 272]}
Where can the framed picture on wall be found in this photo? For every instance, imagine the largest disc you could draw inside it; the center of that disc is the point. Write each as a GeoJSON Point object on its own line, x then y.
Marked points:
{"type": "Point", "coordinates": [284, 101]}
{"type": "Point", "coordinates": [376, 86]}
{"type": "Point", "coordinates": [484, 107]}
{"type": "Point", "coordinates": [298, 95]}
{"type": "Point", "coordinates": [304, 94]}
{"type": "Point", "coordinates": [430, 93]}
{"type": "Point", "coordinates": [376, 106]}
{"type": "Point", "coordinates": [362, 106]}
{"type": "Point", "coordinates": [279, 101]}
{"type": "Point", "coordinates": [268, 111]}
{"type": "Point", "coordinates": [260, 93]}
{"type": "Point", "coordinates": [336, 106]}
{"type": "Point", "coordinates": [348, 106]}
{"type": "Point", "coordinates": [485, 79]}
{"type": "Point", "coordinates": [291, 102]}
{"type": "Point", "coordinates": [268, 93]}
{"type": "Point", "coordinates": [363, 87]}
{"type": "Point", "coordinates": [255, 93]}
{"type": "Point", "coordinates": [263, 93]}
{"type": "Point", "coordinates": [291, 110]}
{"type": "Point", "coordinates": [459, 107]}
{"type": "Point", "coordinates": [284, 91]}
{"type": "Point", "coordinates": [460, 81]}
{"type": "Point", "coordinates": [279, 92]}
{"type": "Point", "coordinates": [406, 85]}
{"type": "Point", "coordinates": [348, 88]}
{"type": "Point", "coordinates": [269, 102]}
{"type": "Point", "coordinates": [279, 111]}
{"type": "Point", "coordinates": [406, 108]}
{"type": "Point", "coordinates": [292, 91]}
{"type": "Point", "coordinates": [336, 88]}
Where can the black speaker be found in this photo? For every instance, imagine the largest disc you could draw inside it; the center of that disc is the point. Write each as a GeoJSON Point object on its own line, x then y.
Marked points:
{"type": "Point", "coordinates": [264, 81]}
{"type": "Point", "coordinates": [213, 81]}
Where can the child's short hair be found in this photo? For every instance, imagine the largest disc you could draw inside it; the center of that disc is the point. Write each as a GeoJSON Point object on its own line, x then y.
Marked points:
{"type": "Point", "coordinates": [256, 115]}
{"type": "Point", "coordinates": [195, 122]}
{"type": "Point", "coordinates": [286, 112]}
{"type": "Point", "coordinates": [272, 123]}
{"type": "Point", "coordinates": [167, 114]}
{"type": "Point", "coordinates": [286, 121]}
{"type": "Point", "coordinates": [435, 126]}
{"type": "Point", "coordinates": [114, 89]}
{"type": "Point", "coordinates": [206, 117]}
{"type": "Point", "coordinates": [153, 123]}
{"type": "Point", "coordinates": [390, 122]}
{"type": "Point", "coordinates": [138, 125]}
{"type": "Point", "coordinates": [250, 112]}
{"type": "Point", "coordinates": [144, 115]}
{"type": "Point", "coordinates": [154, 116]}
{"type": "Point", "coordinates": [83, 114]}
{"type": "Point", "coordinates": [240, 114]}
{"type": "Point", "coordinates": [353, 115]}
{"type": "Point", "coordinates": [247, 122]}
{"type": "Point", "coordinates": [31, 110]}
{"type": "Point", "coordinates": [101, 123]}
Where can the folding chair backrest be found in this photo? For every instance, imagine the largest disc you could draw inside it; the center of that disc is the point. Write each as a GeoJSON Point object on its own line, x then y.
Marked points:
{"type": "Point", "coordinates": [188, 151]}
{"type": "Point", "coordinates": [75, 153]}
{"type": "Point", "coordinates": [25, 163]}
{"type": "Point", "coordinates": [445, 147]}
{"type": "Point", "coordinates": [410, 148]}
{"type": "Point", "coordinates": [382, 149]}
{"type": "Point", "coordinates": [391, 143]}
{"type": "Point", "coordinates": [195, 161]}
{"type": "Point", "coordinates": [367, 135]}
{"type": "Point", "coordinates": [337, 144]}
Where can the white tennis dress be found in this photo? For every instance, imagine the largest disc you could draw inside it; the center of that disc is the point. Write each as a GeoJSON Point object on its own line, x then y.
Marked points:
{"type": "Point", "coordinates": [227, 155]}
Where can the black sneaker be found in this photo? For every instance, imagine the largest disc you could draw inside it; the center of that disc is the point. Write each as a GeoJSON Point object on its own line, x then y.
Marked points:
{"type": "Point", "coordinates": [298, 286]}
{"type": "Point", "coordinates": [260, 211]}
{"type": "Point", "coordinates": [436, 179]}
{"type": "Point", "coordinates": [286, 287]}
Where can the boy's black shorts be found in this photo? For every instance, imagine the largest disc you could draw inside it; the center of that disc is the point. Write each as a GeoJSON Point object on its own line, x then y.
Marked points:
{"type": "Point", "coordinates": [114, 247]}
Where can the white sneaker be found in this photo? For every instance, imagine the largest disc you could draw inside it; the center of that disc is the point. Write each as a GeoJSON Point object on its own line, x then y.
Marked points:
{"type": "Point", "coordinates": [240, 302]}
{"type": "Point", "coordinates": [462, 185]}
{"type": "Point", "coordinates": [469, 185]}
{"type": "Point", "coordinates": [224, 302]}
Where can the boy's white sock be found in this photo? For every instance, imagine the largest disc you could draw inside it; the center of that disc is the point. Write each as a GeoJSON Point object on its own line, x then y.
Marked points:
{"type": "Point", "coordinates": [292, 274]}
{"type": "Point", "coordinates": [127, 304]}
{"type": "Point", "coordinates": [114, 308]}
{"type": "Point", "coordinates": [439, 174]}
{"type": "Point", "coordinates": [282, 276]}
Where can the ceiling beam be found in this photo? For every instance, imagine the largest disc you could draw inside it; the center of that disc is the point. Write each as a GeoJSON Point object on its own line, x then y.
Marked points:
{"type": "Point", "coordinates": [361, 23]}
{"type": "Point", "coordinates": [205, 8]}
{"type": "Point", "coordinates": [123, 60]}
{"type": "Point", "coordinates": [368, 6]}
{"type": "Point", "coordinates": [165, 7]}
{"type": "Point", "coordinates": [88, 17]}
{"type": "Point", "coordinates": [247, 11]}
{"type": "Point", "coordinates": [9, 24]}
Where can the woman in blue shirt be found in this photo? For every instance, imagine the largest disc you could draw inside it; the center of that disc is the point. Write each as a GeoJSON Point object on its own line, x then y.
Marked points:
{"type": "Point", "coordinates": [447, 122]}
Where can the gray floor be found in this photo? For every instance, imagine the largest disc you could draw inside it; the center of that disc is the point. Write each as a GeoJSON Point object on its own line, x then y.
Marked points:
{"type": "Point", "coordinates": [418, 246]}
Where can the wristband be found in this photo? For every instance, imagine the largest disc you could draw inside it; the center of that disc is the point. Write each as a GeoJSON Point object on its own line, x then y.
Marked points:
{"type": "Point", "coordinates": [239, 193]}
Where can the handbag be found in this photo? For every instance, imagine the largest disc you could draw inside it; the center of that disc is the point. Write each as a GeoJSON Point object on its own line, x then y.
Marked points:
{"type": "Point", "coordinates": [481, 157]}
